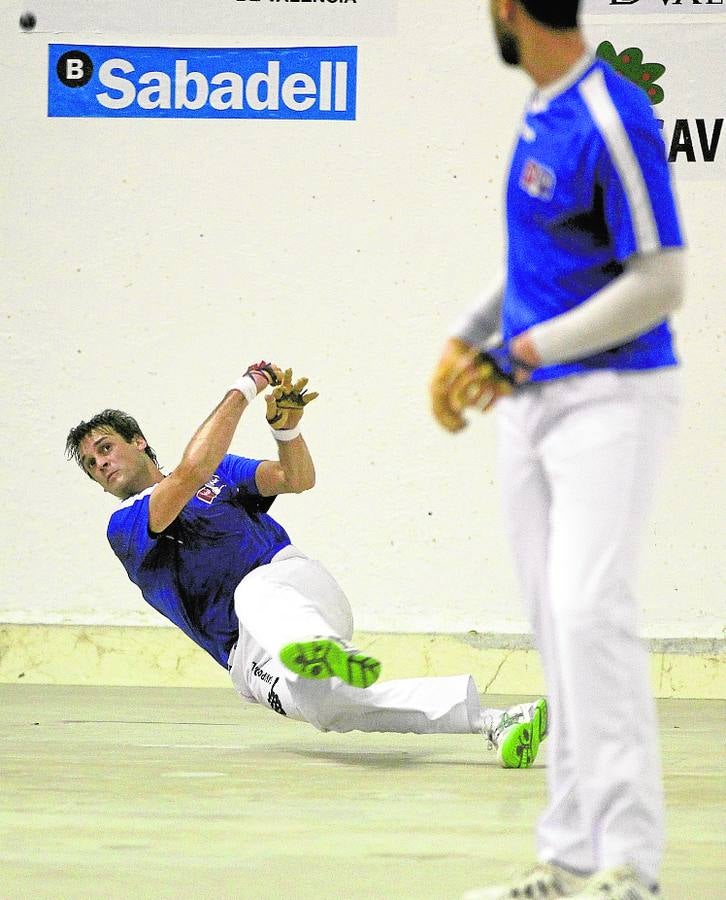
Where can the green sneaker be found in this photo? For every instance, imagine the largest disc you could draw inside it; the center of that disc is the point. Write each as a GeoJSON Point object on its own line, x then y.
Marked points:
{"type": "Point", "coordinates": [517, 734]}
{"type": "Point", "coordinates": [326, 657]}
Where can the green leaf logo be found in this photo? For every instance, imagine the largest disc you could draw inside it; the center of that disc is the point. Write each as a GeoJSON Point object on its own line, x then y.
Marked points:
{"type": "Point", "coordinates": [630, 64]}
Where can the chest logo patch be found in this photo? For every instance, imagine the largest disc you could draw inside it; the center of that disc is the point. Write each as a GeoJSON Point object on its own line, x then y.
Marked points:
{"type": "Point", "coordinates": [211, 490]}
{"type": "Point", "coordinates": [537, 180]}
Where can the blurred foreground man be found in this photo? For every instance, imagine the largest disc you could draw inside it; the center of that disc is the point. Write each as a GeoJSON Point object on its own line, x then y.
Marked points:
{"type": "Point", "coordinates": [573, 346]}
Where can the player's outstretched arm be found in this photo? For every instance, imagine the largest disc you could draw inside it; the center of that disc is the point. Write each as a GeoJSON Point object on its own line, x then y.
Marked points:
{"type": "Point", "coordinates": [293, 471]}
{"type": "Point", "coordinates": [206, 449]}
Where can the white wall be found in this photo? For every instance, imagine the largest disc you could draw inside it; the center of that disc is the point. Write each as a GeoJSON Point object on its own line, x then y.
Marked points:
{"type": "Point", "coordinates": [148, 262]}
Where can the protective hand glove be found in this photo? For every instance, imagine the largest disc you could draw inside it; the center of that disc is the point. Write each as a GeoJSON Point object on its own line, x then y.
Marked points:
{"type": "Point", "coordinates": [455, 358]}
{"type": "Point", "coordinates": [287, 402]}
{"type": "Point", "coordinates": [269, 371]}
{"type": "Point", "coordinates": [493, 374]}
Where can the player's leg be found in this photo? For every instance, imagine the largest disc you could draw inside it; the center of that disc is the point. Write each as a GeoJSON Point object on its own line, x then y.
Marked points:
{"type": "Point", "coordinates": [602, 456]}
{"type": "Point", "coordinates": [432, 705]}
{"type": "Point", "coordinates": [447, 705]}
{"type": "Point", "coordinates": [259, 677]}
{"type": "Point", "coordinates": [298, 612]}
{"type": "Point", "coordinates": [526, 499]}
{"type": "Point", "coordinates": [295, 594]}
{"type": "Point", "coordinates": [521, 421]}
{"type": "Point", "coordinates": [444, 705]}
{"type": "Point", "coordinates": [292, 596]}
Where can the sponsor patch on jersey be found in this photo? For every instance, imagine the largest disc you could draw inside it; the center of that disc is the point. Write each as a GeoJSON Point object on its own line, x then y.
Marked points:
{"type": "Point", "coordinates": [211, 490]}
{"type": "Point", "coordinates": [537, 180]}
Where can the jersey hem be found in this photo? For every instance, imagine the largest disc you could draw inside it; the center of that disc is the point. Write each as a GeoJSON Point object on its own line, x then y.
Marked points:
{"type": "Point", "coordinates": [552, 373]}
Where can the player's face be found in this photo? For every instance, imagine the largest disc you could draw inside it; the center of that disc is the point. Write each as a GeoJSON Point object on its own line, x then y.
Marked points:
{"type": "Point", "coordinates": [120, 467]}
{"type": "Point", "coordinates": [506, 39]}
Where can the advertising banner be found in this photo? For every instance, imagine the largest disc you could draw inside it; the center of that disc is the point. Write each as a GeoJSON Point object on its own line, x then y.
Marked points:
{"type": "Point", "coordinates": [179, 82]}
{"type": "Point", "coordinates": [681, 69]}
{"type": "Point", "coordinates": [653, 7]}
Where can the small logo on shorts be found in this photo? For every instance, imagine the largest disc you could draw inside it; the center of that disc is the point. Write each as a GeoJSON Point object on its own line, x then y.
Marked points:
{"type": "Point", "coordinates": [537, 180]}
{"type": "Point", "coordinates": [256, 671]}
{"type": "Point", "coordinates": [274, 700]}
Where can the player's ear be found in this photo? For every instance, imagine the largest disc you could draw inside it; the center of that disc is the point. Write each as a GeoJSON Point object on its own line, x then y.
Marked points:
{"type": "Point", "coordinates": [505, 10]}
{"type": "Point", "coordinates": [140, 442]}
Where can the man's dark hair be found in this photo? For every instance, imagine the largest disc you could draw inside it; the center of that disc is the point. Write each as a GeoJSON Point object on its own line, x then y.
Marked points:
{"type": "Point", "coordinates": [108, 420]}
{"type": "Point", "coordinates": [554, 13]}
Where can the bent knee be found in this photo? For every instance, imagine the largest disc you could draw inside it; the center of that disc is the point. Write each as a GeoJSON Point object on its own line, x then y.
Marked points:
{"type": "Point", "coordinates": [321, 705]}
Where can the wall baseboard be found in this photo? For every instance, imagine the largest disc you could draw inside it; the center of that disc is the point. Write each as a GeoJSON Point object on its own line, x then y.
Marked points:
{"type": "Point", "coordinates": [158, 656]}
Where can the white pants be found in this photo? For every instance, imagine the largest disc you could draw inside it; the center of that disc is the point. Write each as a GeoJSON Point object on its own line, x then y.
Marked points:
{"type": "Point", "coordinates": [295, 597]}
{"type": "Point", "coordinates": [578, 459]}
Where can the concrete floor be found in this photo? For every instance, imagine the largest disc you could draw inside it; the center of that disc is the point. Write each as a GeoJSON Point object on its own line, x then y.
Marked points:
{"type": "Point", "coordinates": [111, 792]}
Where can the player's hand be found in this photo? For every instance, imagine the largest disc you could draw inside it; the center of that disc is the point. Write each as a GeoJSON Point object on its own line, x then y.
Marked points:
{"type": "Point", "coordinates": [287, 401]}
{"type": "Point", "coordinates": [486, 378]}
{"type": "Point", "coordinates": [449, 380]}
{"type": "Point", "coordinates": [523, 350]}
{"type": "Point", "coordinates": [264, 374]}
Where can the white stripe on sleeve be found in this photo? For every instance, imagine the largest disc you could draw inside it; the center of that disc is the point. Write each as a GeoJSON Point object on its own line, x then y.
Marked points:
{"type": "Point", "coordinates": [607, 119]}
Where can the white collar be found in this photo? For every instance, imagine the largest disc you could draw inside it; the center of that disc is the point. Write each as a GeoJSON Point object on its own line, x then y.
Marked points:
{"type": "Point", "coordinates": [540, 99]}
{"type": "Point", "coordinates": [129, 501]}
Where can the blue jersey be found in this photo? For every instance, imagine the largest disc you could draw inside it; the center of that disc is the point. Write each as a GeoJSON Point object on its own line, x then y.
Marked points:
{"type": "Point", "coordinates": [190, 571]}
{"type": "Point", "coordinates": [589, 187]}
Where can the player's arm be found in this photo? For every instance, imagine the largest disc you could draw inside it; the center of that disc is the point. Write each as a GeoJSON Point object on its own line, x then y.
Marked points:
{"type": "Point", "coordinates": [205, 450]}
{"type": "Point", "coordinates": [293, 472]}
{"type": "Point", "coordinates": [652, 285]}
{"type": "Point", "coordinates": [647, 292]}
{"type": "Point", "coordinates": [480, 324]}
{"type": "Point", "coordinates": [458, 361]}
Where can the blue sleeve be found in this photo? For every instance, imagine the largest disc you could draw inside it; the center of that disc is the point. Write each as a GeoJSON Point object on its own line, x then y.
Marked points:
{"type": "Point", "coordinates": [639, 204]}
{"type": "Point", "coordinates": [240, 471]}
{"type": "Point", "coordinates": [128, 534]}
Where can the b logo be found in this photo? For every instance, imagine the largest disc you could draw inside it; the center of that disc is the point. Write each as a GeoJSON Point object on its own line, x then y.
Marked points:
{"type": "Point", "coordinates": [74, 69]}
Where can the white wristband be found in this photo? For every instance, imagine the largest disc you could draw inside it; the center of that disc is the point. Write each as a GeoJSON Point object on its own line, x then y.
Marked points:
{"type": "Point", "coordinates": [285, 434]}
{"type": "Point", "coordinates": [247, 386]}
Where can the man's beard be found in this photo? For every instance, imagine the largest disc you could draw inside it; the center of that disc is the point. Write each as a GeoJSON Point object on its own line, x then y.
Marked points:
{"type": "Point", "coordinates": [508, 45]}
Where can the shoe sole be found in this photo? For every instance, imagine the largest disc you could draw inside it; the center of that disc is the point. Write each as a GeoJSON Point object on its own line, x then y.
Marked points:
{"type": "Point", "coordinates": [543, 707]}
{"type": "Point", "coordinates": [321, 658]}
{"type": "Point", "coordinates": [520, 747]}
